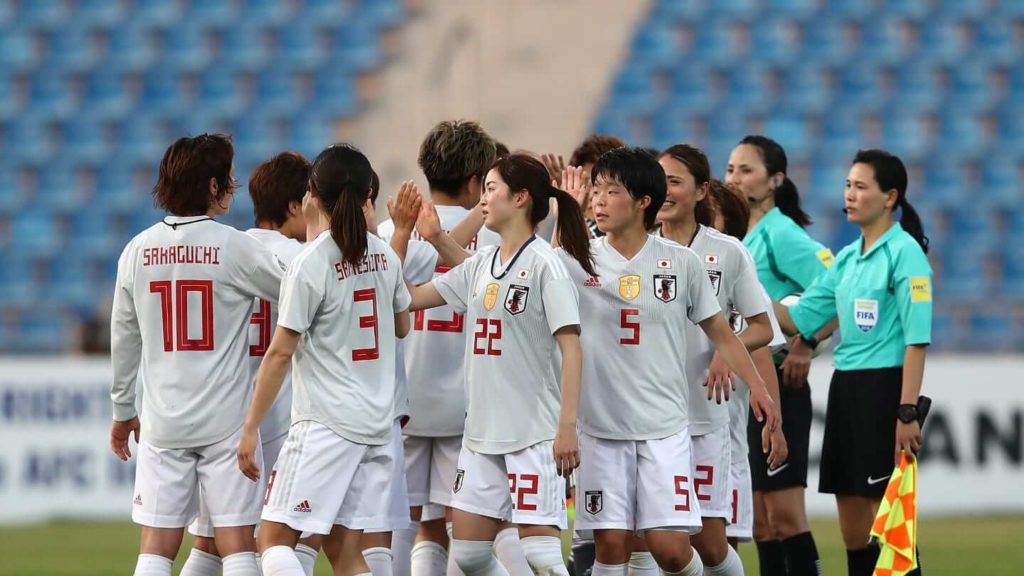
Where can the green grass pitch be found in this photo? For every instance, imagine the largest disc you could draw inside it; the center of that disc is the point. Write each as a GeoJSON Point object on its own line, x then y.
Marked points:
{"type": "Point", "coordinates": [993, 546]}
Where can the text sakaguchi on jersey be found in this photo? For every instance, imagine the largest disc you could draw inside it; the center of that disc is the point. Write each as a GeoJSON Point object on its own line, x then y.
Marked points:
{"type": "Point", "coordinates": [181, 254]}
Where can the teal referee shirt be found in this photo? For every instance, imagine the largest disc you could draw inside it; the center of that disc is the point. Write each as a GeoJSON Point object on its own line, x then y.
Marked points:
{"type": "Point", "coordinates": [883, 299]}
{"type": "Point", "coordinates": [787, 258]}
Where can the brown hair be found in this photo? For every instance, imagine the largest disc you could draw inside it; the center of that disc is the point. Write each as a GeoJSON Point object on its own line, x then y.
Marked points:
{"type": "Point", "coordinates": [277, 183]}
{"type": "Point", "coordinates": [453, 152]}
{"type": "Point", "coordinates": [342, 176]}
{"type": "Point", "coordinates": [524, 172]}
{"type": "Point", "coordinates": [593, 147]}
{"type": "Point", "coordinates": [733, 208]}
{"type": "Point", "coordinates": [183, 185]}
{"type": "Point", "coordinates": [697, 163]}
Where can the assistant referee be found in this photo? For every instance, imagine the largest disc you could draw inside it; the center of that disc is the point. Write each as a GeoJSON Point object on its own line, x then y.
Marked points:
{"type": "Point", "coordinates": [880, 288]}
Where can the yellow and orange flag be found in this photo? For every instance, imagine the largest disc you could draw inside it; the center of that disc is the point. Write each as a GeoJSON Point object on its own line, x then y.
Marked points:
{"type": "Point", "coordinates": [895, 526]}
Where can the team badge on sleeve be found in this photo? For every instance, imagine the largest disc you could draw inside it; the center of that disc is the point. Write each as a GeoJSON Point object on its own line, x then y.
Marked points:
{"type": "Point", "coordinates": [665, 287]}
{"type": "Point", "coordinates": [594, 501]}
{"type": "Point", "coordinates": [716, 280]}
{"type": "Point", "coordinates": [460, 475]}
{"type": "Point", "coordinates": [920, 289]}
{"type": "Point", "coordinates": [491, 295]}
{"type": "Point", "coordinates": [515, 300]}
{"type": "Point", "coordinates": [629, 286]}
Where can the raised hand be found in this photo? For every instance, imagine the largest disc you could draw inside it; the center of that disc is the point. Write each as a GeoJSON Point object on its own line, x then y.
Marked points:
{"type": "Point", "coordinates": [428, 223]}
{"type": "Point", "coordinates": [554, 163]}
{"type": "Point", "coordinates": [573, 182]}
{"type": "Point", "coordinates": [405, 208]}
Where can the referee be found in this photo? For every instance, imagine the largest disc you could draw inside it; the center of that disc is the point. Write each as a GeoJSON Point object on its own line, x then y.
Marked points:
{"type": "Point", "coordinates": [880, 290]}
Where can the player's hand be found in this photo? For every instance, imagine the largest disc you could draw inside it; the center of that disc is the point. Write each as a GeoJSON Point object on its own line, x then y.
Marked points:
{"type": "Point", "coordinates": [567, 450]}
{"type": "Point", "coordinates": [428, 223]}
{"type": "Point", "coordinates": [775, 446]}
{"type": "Point", "coordinates": [721, 381]}
{"type": "Point", "coordinates": [554, 163]}
{"type": "Point", "coordinates": [247, 454]}
{"type": "Point", "coordinates": [405, 208]}
{"type": "Point", "coordinates": [797, 364]}
{"type": "Point", "coordinates": [573, 183]}
{"type": "Point", "coordinates": [119, 433]}
{"type": "Point", "coordinates": [765, 409]}
{"type": "Point", "coordinates": [908, 439]}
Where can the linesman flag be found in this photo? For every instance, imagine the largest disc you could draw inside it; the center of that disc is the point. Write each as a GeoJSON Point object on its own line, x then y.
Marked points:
{"type": "Point", "coordinates": [895, 527]}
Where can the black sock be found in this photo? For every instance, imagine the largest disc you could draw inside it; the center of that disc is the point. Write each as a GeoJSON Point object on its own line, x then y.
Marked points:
{"type": "Point", "coordinates": [862, 562]}
{"type": "Point", "coordinates": [801, 555]}
{"type": "Point", "coordinates": [583, 556]}
{"type": "Point", "coordinates": [771, 558]}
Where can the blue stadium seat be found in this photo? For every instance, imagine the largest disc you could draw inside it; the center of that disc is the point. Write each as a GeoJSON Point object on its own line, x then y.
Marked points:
{"type": "Point", "coordinates": [382, 13]}
{"type": "Point", "coordinates": [42, 14]}
{"type": "Point", "coordinates": [327, 12]}
{"type": "Point", "coordinates": [107, 94]}
{"type": "Point", "coordinates": [356, 46]}
{"type": "Point", "coordinates": [104, 14]}
{"type": "Point", "coordinates": [17, 50]}
{"type": "Point", "coordinates": [28, 139]}
{"type": "Point", "coordinates": [691, 86]}
{"type": "Point", "coordinates": [1000, 181]}
{"type": "Point", "coordinates": [917, 86]}
{"type": "Point", "coordinates": [944, 329]}
{"type": "Point", "coordinates": [44, 330]}
{"type": "Point", "coordinates": [72, 282]}
{"type": "Point", "coordinates": [267, 11]}
{"type": "Point", "coordinates": [57, 192]}
{"type": "Point", "coordinates": [991, 331]}
{"type": "Point", "coordinates": [206, 13]}
{"type": "Point", "coordinates": [158, 13]}
{"type": "Point", "coordinates": [35, 232]}
{"type": "Point", "coordinates": [964, 276]}
{"type": "Point", "coordinates": [304, 44]}
{"type": "Point", "coordinates": [160, 91]}
{"type": "Point", "coordinates": [16, 287]}
{"type": "Point", "coordinates": [969, 87]}
{"type": "Point", "coordinates": [132, 47]}
{"type": "Point", "coordinates": [246, 45]}
{"type": "Point", "coordinates": [187, 48]}
{"type": "Point", "coordinates": [277, 91]}
{"type": "Point", "coordinates": [218, 92]}
{"type": "Point", "coordinates": [655, 45]}
{"type": "Point", "coordinates": [51, 94]}
{"type": "Point", "coordinates": [11, 101]}
{"type": "Point", "coordinates": [70, 49]}
{"type": "Point", "coordinates": [333, 91]}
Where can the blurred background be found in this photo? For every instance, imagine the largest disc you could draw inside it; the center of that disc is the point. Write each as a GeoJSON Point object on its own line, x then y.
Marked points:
{"type": "Point", "coordinates": [93, 91]}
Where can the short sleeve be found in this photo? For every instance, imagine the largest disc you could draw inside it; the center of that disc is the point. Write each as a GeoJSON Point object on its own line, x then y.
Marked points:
{"type": "Point", "coordinates": [454, 285]}
{"type": "Point", "coordinates": [747, 295]}
{"type": "Point", "coordinates": [420, 262]}
{"type": "Point", "coordinates": [259, 272]}
{"type": "Point", "coordinates": [561, 301]}
{"type": "Point", "coordinates": [817, 305]}
{"type": "Point", "coordinates": [701, 301]}
{"type": "Point", "coordinates": [301, 295]}
{"type": "Point", "coordinates": [402, 298]}
{"type": "Point", "coordinates": [913, 292]}
{"type": "Point", "coordinates": [803, 260]}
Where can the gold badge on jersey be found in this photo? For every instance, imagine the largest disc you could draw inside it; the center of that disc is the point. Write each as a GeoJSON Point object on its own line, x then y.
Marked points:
{"type": "Point", "coordinates": [629, 286]}
{"type": "Point", "coordinates": [825, 257]}
{"type": "Point", "coordinates": [920, 289]}
{"type": "Point", "coordinates": [491, 295]}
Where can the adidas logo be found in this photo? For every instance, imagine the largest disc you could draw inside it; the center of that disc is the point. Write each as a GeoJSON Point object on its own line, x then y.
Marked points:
{"type": "Point", "coordinates": [303, 507]}
{"type": "Point", "coordinates": [592, 282]}
{"type": "Point", "coordinates": [138, 499]}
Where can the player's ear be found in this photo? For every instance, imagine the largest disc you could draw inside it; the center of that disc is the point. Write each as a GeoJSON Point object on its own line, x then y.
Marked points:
{"type": "Point", "coordinates": [214, 187]}
{"type": "Point", "coordinates": [294, 208]}
{"type": "Point", "coordinates": [312, 190]}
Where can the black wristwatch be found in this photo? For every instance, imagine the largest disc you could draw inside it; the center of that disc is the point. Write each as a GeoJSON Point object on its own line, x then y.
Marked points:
{"type": "Point", "coordinates": [907, 413]}
{"type": "Point", "coordinates": [811, 342]}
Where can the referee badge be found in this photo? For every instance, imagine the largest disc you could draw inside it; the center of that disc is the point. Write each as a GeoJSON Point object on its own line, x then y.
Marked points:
{"type": "Point", "coordinates": [716, 280]}
{"type": "Point", "coordinates": [865, 314]}
{"type": "Point", "coordinates": [629, 286]}
{"type": "Point", "coordinates": [594, 501]}
{"type": "Point", "coordinates": [491, 295]}
{"type": "Point", "coordinates": [515, 300]}
{"type": "Point", "coordinates": [665, 287]}
{"type": "Point", "coordinates": [459, 476]}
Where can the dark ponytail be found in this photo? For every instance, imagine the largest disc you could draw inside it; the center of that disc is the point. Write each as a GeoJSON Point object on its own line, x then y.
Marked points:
{"type": "Point", "coordinates": [697, 163]}
{"type": "Point", "coordinates": [523, 172]}
{"type": "Point", "coordinates": [787, 197]}
{"type": "Point", "coordinates": [891, 174]}
{"type": "Point", "coordinates": [343, 179]}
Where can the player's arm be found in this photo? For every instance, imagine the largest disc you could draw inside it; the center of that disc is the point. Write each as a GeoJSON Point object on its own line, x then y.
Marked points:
{"type": "Point", "coordinates": [125, 356]}
{"type": "Point", "coordinates": [567, 448]}
{"type": "Point", "coordinates": [404, 208]}
{"type": "Point", "coordinates": [268, 384]}
{"type": "Point", "coordinates": [738, 359]}
{"type": "Point", "coordinates": [450, 251]}
{"type": "Point", "coordinates": [773, 442]}
{"type": "Point", "coordinates": [468, 228]}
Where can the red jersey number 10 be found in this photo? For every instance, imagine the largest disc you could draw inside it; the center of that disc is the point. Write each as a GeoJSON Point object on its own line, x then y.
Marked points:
{"type": "Point", "coordinates": [174, 312]}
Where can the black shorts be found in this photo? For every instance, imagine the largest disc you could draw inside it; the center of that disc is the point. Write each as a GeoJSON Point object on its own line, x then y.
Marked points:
{"type": "Point", "coordinates": [796, 426]}
{"type": "Point", "coordinates": [860, 432]}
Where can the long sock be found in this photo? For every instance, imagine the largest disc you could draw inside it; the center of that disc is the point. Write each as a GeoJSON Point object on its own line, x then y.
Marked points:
{"type": "Point", "coordinates": [510, 553]}
{"type": "Point", "coordinates": [307, 557]}
{"type": "Point", "coordinates": [694, 568]}
{"type": "Point", "coordinates": [241, 564]}
{"type": "Point", "coordinates": [281, 561]}
{"type": "Point", "coordinates": [801, 555]}
{"type": "Point", "coordinates": [731, 566]}
{"type": "Point", "coordinates": [201, 563]}
{"type": "Point", "coordinates": [379, 560]}
{"type": "Point", "coordinates": [401, 549]}
{"type": "Point", "coordinates": [544, 555]}
{"type": "Point", "coordinates": [643, 564]}
{"type": "Point", "coordinates": [453, 566]}
{"type": "Point", "coordinates": [862, 562]}
{"type": "Point", "coordinates": [771, 558]}
{"type": "Point", "coordinates": [153, 565]}
{"type": "Point", "coordinates": [428, 559]}
{"type": "Point", "coordinates": [600, 569]}
{"type": "Point", "coordinates": [476, 558]}
{"type": "Point", "coordinates": [583, 555]}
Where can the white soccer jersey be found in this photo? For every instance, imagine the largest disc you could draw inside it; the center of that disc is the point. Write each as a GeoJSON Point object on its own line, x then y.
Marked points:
{"type": "Point", "coordinates": [436, 346]}
{"type": "Point", "coordinates": [343, 372]}
{"type": "Point", "coordinates": [512, 360]}
{"type": "Point", "coordinates": [179, 324]}
{"type": "Point", "coordinates": [634, 337]}
{"type": "Point", "coordinates": [261, 331]}
{"type": "Point", "coordinates": [734, 281]}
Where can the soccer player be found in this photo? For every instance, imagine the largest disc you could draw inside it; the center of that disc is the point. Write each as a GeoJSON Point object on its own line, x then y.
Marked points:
{"type": "Point", "coordinates": [685, 218]}
{"type": "Point", "coordinates": [276, 188]}
{"type": "Point", "coordinates": [182, 302]}
{"type": "Point", "coordinates": [635, 471]}
{"type": "Point", "coordinates": [788, 260]}
{"type": "Point", "coordinates": [584, 156]}
{"type": "Point", "coordinates": [880, 289]}
{"type": "Point", "coordinates": [343, 304]}
{"type": "Point", "coordinates": [520, 431]}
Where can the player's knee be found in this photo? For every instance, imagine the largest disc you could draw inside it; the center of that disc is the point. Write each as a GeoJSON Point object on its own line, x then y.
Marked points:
{"type": "Point", "coordinates": [672, 558]}
{"type": "Point", "coordinates": [763, 530]}
{"type": "Point", "coordinates": [473, 556]}
{"type": "Point", "coordinates": [204, 544]}
{"type": "Point", "coordinates": [786, 523]}
{"type": "Point", "coordinates": [612, 548]}
{"type": "Point", "coordinates": [544, 554]}
{"type": "Point", "coordinates": [712, 553]}
{"type": "Point", "coordinates": [434, 531]}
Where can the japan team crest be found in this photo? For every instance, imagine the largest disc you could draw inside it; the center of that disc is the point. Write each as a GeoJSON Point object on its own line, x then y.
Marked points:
{"type": "Point", "coordinates": [459, 476]}
{"type": "Point", "coordinates": [629, 286]}
{"type": "Point", "coordinates": [491, 295]}
{"type": "Point", "coordinates": [716, 280]}
{"type": "Point", "coordinates": [665, 287]}
{"type": "Point", "coordinates": [594, 502]}
{"type": "Point", "coordinates": [515, 299]}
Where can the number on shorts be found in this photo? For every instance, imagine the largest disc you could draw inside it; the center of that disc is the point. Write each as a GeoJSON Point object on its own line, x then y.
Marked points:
{"type": "Point", "coordinates": [456, 324]}
{"type": "Point", "coordinates": [519, 490]}
{"type": "Point", "coordinates": [627, 324]}
{"type": "Point", "coordinates": [684, 491]}
{"type": "Point", "coordinates": [179, 322]}
{"type": "Point", "coordinates": [367, 295]}
{"type": "Point", "coordinates": [261, 318]}
{"type": "Point", "coordinates": [484, 331]}
{"type": "Point", "coordinates": [707, 480]}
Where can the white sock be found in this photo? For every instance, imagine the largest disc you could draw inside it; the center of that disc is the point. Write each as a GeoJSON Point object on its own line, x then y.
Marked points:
{"type": "Point", "coordinates": [694, 568]}
{"type": "Point", "coordinates": [428, 559]}
{"type": "Point", "coordinates": [153, 565]}
{"type": "Point", "coordinates": [201, 563]}
{"type": "Point", "coordinates": [544, 553]}
{"type": "Point", "coordinates": [307, 558]}
{"type": "Point", "coordinates": [643, 564]}
{"type": "Point", "coordinates": [731, 566]}
{"type": "Point", "coordinates": [453, 566]}
{"type": "Point", "coordinates": [379, 560]}
{"type": "Point", "coordinates": [241, 564]}
{"type": "Point", "coordinates": [509, 551]}
{"type": "Point", "coordinates": [281, 561]}
{"type": "Point", "coordinates": [609, 569]}
{"type": "Point", "coordinates": [401, 549]}
{"type": "Point", "coordinates": [475, 558]}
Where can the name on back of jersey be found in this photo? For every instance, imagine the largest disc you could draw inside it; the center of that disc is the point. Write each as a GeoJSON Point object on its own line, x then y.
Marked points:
{"type": "Point", "coordinates": [181, 254]}
{"type": "Point", "coordinates": [370, 263]}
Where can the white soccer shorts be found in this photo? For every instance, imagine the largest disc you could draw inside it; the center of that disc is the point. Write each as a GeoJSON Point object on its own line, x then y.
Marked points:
{"type": "Point", "coordinates": [636, 485]}
{"type": "Point", "coordinates": [397, 517]}
{"type": "Point", "coordinates": [522, 487]}
{"type": "Point", "coordinates": [430, 465]}
{"type": "Point", "coordinates": [168, 483]}
{"type": "Point", "coordinates": [322, 479]}
{"type": "Point", "coordinates": [741, 525]}
{"type": "Point", "coordinates": [712, 465]}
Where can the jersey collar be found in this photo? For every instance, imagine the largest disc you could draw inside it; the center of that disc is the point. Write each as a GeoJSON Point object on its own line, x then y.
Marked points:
{"type": "Point", "coordinates": [889, 235]}
{"type": "Point", "coordinates": [765, 220]}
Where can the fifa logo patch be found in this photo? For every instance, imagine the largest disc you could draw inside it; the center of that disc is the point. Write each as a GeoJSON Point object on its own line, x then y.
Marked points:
{"type": "Point", "coordinates": [515, 300]}
{"type": "Point", "coordinates": [920, 289]}
{"type": "Point", "coordinates": [491, 295]}
{"type": "Point", "coordinates": [665, 287]}
{"type": "Point", "coordinates": [865, 314]}
{"type": "Point", "coordinates": [629, 286]}
{"type": "Point", "coordinates": [460, 475]}
{"type": "Point", "coordinates": [594, 501]}
{"type": "Point", "coordinates": [825, 257]}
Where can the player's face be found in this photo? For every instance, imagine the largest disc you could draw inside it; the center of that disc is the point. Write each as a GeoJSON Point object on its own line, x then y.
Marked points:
{"type": "Point", "coordinates": [615, 210]}
{"type": "Point", "coordinates": [747, 173]}
{"type": "Point", "coordinates": [864, 200]}
{"type": "Point", "coordinates": [682, 194]}
{"type": "Point", "coordinates": [499, 203]}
